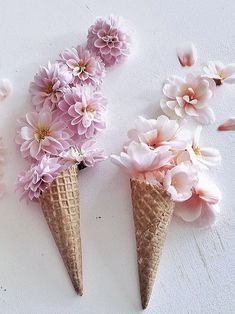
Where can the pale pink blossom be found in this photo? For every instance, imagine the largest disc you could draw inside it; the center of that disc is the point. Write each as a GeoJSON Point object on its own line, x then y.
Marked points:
{"type": "Point", "coordinates": [48, 85]}
{"type": "Point", "coordinates": [5, 89]}
{"type": "Point", "coordinates": [109, 39]}
{"type": "Point", "coordinates": [39, 133]}
{"type": "Point", "coordinates": [228, 125]}
{"type": "Point", "coordinates": [220, 73]}
{"type": "Point", "coordinates": [203, 157]}
{"type": "Point", "coordinates": [139, 158]}
{"type": "Point", "coordinates": [84, 110]}
{"type": "Point", "coordinates": [179, 181]}
{"type": "Point", "coordinates": [84, 67]}
{"type": "Point", "coordinates": [187, 54]}
{"type": "Point", "coordinates": [85, 153]}
{"type": "Point", "coordinates": [188, 97]}
{"type": "Point", "coordinates": [158, 132]}
{"type": "Point", "coordinates": [202, 207]}
{"type": "Point", "coordinates": [37, 178]}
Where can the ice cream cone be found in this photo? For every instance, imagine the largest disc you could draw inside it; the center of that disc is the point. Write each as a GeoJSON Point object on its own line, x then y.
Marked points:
{"type": "Point", "coordinates": [152, 210]}
{"type": "Point", "coordinates": [60, 205]}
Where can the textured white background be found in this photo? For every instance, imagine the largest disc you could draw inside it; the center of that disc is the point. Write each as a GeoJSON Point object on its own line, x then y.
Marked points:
{"type": "Point", "coordinates": [197, 272]}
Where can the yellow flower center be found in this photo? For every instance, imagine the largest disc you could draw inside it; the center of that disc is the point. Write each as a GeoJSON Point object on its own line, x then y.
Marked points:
{"type": "Point", "coordinates": [197, 150]}
{"type": "Point", "coordinates": [41, 133]}
{"type": "Point", "coordinates": [49, 88]}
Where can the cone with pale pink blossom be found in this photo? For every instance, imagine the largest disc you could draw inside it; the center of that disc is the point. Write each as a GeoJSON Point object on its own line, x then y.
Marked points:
{"type": "Point", "coordinates": [152, 211]}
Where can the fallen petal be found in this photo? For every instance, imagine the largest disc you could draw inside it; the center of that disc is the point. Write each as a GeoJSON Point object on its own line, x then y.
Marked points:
{"type": "Point", "coordinates": [187, 54]}
{"type": "Point", "coordinates": [228, 125]}
{"type": "Point", "coordinates": [5, 88]}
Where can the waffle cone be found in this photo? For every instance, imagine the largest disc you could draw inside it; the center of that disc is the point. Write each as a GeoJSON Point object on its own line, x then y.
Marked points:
{"type": "Point", "coordinates": [152, 210]}
{"type": "Point", "coordinates": [60, 206]}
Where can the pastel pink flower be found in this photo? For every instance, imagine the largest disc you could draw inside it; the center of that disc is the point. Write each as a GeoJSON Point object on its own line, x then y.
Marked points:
{"type": "Point", "coordinates": [228, 125]}
{"type": "Point", "coordinates": [84, 67]}
{"type": "Point", "coordinates": [203, 157]}
{"type": "Point", "coordinates": [179, 181]}
{"type": "Point", "coordinates": [37, 178]}
{"type": "Point", "coordinates": [84, 110]}
{"type": "Point", "coordinates": [86, 153]}
{"type": "Point", "coordinates": [188, 97]}
{"type": "Point", "coordinates": [139, 158]}
{"type": "Point", "coordinates": [158, 132]}
{"type": "Point", "coordinates": [202, 207]}
{"type": "Point", "coordinates": [5, 89]}
{"type": "Point", "coordinates": [109, 39]}
{"type": "Point", "coordinates": [220, 73]}
{"type": "Point", "coordinates": [187, 54]}
{"type": "Point", "coordinates": [48, 85]}
{"type": "Point", "coordinates": [40, 133]}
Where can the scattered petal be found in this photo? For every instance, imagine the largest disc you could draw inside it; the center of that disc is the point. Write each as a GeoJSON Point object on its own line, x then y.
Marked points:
{"type": "Point", "coordinates": [5, 89]}
{"type": "Point", "coordinates": [228, 125]}
{"type": "Point", "coordinates": [187, 54]}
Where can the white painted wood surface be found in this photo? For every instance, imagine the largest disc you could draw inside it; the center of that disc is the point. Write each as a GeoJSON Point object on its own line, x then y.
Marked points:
{"type": "Point", "coordinates": [197, 270]}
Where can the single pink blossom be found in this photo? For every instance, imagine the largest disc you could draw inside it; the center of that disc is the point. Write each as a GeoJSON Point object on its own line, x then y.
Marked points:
{"type": "Point", "coordinates": [188, 97]}
{"type": "Point", "coordinates": [86, 153]}
{"type": "Point", "coordinates": [187, 54]}
{"type": "Point", "coordinates": [40, 133]}
{"type": "Point", "coordinates": [84, 110]}
{"type": "Point", "coordinates": [37, 178]}
{"type": "Point", "coordinates": [220, 73]}
{"type": "Point", "coordinates": [202, 207]}
{"type": "Point", "coordinates": [202, 157]}
{"type": "Point", "coordinates": [228, 125]}
{"type": "Point", "coordinates": [5, 89]}
{"type": "Point", "coordinates": [158, 132]}
{"type": "Point", "coordinates": [179, 181]}
{"type": "Point", "coordinates": [84, 67]}
{"type": "Point", "coordinates": [48, 85]}
{"type": "Point", "coordinates": [109, 39]}
{"type": "Point", "coordinates": [139, 158]}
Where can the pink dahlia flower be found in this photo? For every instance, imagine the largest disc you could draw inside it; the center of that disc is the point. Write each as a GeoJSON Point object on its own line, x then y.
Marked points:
{"type": "Point", "coordinates": [188, 97]}
{"type": "Point", "coordinates": [109, 40]}
{"type": "Point", "coordinates": [85, 153]}
{"type": "Point", "coordinates": [84, 110]}
{"type": "Point", "coordinates": [84, 67]}
{"type": "Point", "coordinates": [220, 73]}
{"type": "Point", "coordinates": [139, 158]}
{"type": "Point", "coordinates": [202, 207]}
{"type": "Point", "coordinates": [48, 85]}
{"type": "Point", "coordinates": [158, 132]}
{"type": "Point", "coordinates": [179, 182]}
{"type": "Point", "coordinates": [36, 179]}
{"type": "Point", "coordinates": [41, 133]}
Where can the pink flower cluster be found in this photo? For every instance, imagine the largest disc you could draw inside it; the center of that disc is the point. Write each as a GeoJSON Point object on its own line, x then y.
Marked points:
{"type": "Point", "coordinates": [68, 108]}
{"type": "Point", "coordinates": [161, 152]}
{"type": "Point", "coordinates": [192, 95]}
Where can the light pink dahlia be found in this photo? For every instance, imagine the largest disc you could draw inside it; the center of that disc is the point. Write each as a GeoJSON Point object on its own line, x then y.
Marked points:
{"type": "Point", "coordinates": [188, 97]}
{"type": "Point", "coordinates": [49, 84]}
{"type": "Point", "coordinates": [109, 40]}
{"type": "Point", "coordinates": [40, 133]}
{"type": "Point", "coordinates": [84, 67]}
{"type": "Point", "coordinates": [84, 110]}
{"type": "Point", "coordinates": [36, 179]}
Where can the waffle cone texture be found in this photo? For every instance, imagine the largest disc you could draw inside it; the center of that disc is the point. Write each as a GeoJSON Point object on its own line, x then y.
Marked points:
{"type": "Point", "coordinates": [152, 211]}
{"type": "Point", "coordinates": [60, 206]}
